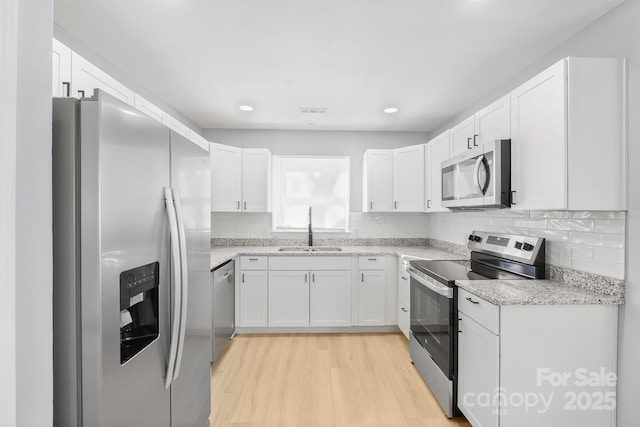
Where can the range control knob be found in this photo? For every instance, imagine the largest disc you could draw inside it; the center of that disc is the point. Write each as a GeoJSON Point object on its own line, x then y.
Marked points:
{"type": "Point", "coordinates": [471, 236]}
{"type": "Point", "coordinates": [477, 239]}
{"type": "Point", "coordinates": [518, 245]}
{"type": "Point", "coordinates": [527, 247]}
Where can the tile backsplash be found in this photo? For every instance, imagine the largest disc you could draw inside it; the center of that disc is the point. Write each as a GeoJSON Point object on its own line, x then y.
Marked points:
{"type": "Point", "coordinates": [586, 241]}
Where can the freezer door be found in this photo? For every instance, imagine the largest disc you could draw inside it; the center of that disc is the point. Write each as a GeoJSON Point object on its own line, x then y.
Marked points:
{"type": "Point", "coordinates": [190, 178]}
{"type": "Point", "coordinates": [124, 167]}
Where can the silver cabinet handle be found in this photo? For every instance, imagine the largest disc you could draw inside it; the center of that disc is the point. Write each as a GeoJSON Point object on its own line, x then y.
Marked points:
{"type": "Point", "coordinates": [67, 87]}
{"type": "Point", "coordinates": [362, 279]}
{"type": "Point", "coordinates": [475, 144]}
{"type": "Point", "coordinates": [469, 143]}
{"type": "Point", "coordinates": [245, 206]}
{"type": "Point", "coordinates": [313, 278]}
{"type": "Point", "coordinates": [513, 197]}
{"type": "Point", "coordinates": [395, 205]}
{"type": "Point", "coordinates": [242, 277]}
{"type": "Point", "coordinates": [253, 259]}
{"type": "Point", "coordinates": [372, 259]}
{"type": "Point", "coordinates": [238, 205]}
{"type": "Point", "coordinates": [404, 278]}
{"type": "Point", "coordinates": [428, 204]}
{"type": "Point", "coordinates": [404, 309]}
{"type": "Point", "coordinates": [81, 93]}
{"type": "Point", "coordinates": [472, 301]}
{"type": "Point", "coordinates": [305, 278]}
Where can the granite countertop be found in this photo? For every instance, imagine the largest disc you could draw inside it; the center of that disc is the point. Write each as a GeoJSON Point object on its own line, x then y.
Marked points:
{"type": "Point", "coordinates": [536, 292]}
{"type": "Point", "coordinates": [221, 254]}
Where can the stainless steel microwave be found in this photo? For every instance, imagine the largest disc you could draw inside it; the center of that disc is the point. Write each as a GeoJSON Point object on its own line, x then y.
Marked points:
{"type": "Point", "coordinates": [478, 178]}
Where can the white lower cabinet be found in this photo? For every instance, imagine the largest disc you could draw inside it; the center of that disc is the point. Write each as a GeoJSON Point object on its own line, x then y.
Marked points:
{"type": "Point", "coordinates": [288, 298]}
{"type": "Point", "coordinates": [536, 365]}
{"type": "Point", "coordinates": [253, 298]}
{"type": "Point", "coordinates": [330, 298]}
{"type": "Point", "coordinates": [372, 302]}
{"type": "Point", "coordinates": [403, 297]}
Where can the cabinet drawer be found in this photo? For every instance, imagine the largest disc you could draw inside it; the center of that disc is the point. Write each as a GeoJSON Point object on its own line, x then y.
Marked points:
{"type": "Point", "coordinates": [480, 310]}
{"type": "Point", "coordinates": [253, 262]}
{"type": "Point", "coordinates": [309, 262]}
{"type": "Point", "coordinates": [373, 262]}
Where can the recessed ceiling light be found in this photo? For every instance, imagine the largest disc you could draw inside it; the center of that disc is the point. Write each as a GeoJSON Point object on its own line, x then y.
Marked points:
{"type": "Point", "coordinates": [246, 108]}
{"type": "Point", "coordinates": [391, 110]}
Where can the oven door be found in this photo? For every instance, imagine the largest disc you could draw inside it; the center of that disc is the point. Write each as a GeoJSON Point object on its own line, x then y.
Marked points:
{"type": "Point", "coordinates": [432, 319]}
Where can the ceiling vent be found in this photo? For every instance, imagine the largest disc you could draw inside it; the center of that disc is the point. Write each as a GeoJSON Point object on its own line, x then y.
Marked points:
{"type": "Point", "coordinates": [313, 110]}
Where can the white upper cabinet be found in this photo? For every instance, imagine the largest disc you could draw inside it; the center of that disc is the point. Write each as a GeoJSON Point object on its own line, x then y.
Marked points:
{"type": "Point", "coordinates": [144, 105]}
{"type": "Point", "coordinates": [408, 179]}
{"type": "Point", "coordinates": [240, 179]}
{"type": "Point", "coordinates": [256, 178]}
{"type": "Point", "coordinates": [462, 136]}
{"type": "Point", "coordinates": [61, 70]}
{"type": "Point", "coordinates": [226, 178]}
{"type": "Point", "coordinates": [493, 121]}
{"type": "Point", "coordinates": [435, 152]}
{"type": "Point", "coordinates": [85, 77]}
{"type": "Point", "coordinates": [377, 181]}
{"type": "Point", "coordinates": [568, 137]}
{"type": "Point", "coordinates": [393, 180]}
{"type": "Point", "coordinates": [490, 123]}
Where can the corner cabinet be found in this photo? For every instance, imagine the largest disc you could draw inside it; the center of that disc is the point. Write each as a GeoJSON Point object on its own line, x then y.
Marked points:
{"type": "Point", "coordinates": [240, 179]}
{"type": "Point", "coordinates": [568, 137]}
{"type": "Point", "coordinates": [435, 152]}
{"type": "Point", "coordinates": [536, 365]}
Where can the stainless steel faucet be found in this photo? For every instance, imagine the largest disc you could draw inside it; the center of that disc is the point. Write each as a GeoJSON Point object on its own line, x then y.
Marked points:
{"type": "Point", "coordinates": [310, 229]}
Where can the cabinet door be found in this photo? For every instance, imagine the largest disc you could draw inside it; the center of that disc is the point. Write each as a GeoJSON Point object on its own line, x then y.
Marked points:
{"type": "Point", "coordinates": [253, 298]}
{"type": "Point", "coordinates": [226, 178]}
{"type": "Point", "coordinates": [256, 180]}
{"type": "Point", "coordinates": [288, 298]}
{"type": "Point", "coordinates": [403, 297]}
{"type": "Point", "coordinates": [372, 298]}
{"type": "Point", "coordinates": [538, 141]}
{"type": "Point", "coordinates": [478, 372]}
{"type": "Point", "coordinates": [85, 77]}
{"type": "Point", "coordinates": [462, 136]}
{"type": "Point", "coordinates": [438, 150]}
{"type": "Point", "coordinates": [378, 175]}
{"type": "Point", "coordinates": [61, 69]}
{"type": "Point", "coordinates": [494, 121]}
{"type": "Point", "coordinates": [330, 298]}
{"type": "Point", "coordinates": [408, 179]}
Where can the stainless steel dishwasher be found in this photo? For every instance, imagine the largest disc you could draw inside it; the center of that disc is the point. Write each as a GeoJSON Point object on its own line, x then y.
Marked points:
{"type": "Point", "coordinates": [223, 307]}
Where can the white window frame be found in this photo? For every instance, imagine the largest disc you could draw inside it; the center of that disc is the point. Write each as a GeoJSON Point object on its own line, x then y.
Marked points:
{"type": "Point", "coordinates": [276, 175]}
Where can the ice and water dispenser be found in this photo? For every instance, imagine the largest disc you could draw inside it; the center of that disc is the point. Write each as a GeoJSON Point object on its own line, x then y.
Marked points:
{"type": "Point", "coordinates": [139, 324]}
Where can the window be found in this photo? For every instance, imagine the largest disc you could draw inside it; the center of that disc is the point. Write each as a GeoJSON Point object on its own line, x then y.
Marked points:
{"type": "Point", "coordinates": [322, 183]}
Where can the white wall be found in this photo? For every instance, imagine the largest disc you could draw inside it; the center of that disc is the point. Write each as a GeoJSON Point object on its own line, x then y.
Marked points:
{"type": "Point", "coordinates": [616, 34]}
{"type": "Point", "coordinates": [33, 249]}
{"type": "Point", "coordinates": [8, 81]}
{"type": "Point", "coordinates": [320, 143]}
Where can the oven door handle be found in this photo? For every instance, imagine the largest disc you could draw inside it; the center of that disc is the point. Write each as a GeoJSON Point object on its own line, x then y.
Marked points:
{"type": "Point", "coordinates": [443, 290]}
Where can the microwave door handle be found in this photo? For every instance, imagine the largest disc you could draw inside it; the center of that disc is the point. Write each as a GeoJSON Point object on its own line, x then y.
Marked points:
{"type": "Point", "coordinates": [482, 186]}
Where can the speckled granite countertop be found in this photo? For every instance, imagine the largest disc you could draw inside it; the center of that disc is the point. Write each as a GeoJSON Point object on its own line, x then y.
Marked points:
{"type": "Point", "coordinates": [221, 254]}
{"type": "Point", "coordinates": [536, 292]}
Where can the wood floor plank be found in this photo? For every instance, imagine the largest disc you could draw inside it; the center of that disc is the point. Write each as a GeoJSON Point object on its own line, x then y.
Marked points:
{"type": "Point", "coordinates": [321, 380]}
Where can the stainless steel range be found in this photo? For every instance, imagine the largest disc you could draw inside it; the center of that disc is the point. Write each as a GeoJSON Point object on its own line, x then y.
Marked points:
{"type": "Point", "coordinates": [434, 301]}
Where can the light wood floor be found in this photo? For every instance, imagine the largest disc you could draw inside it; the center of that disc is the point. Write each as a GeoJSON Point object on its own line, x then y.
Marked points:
{"type": "Point", "coordinates": [321, 380]}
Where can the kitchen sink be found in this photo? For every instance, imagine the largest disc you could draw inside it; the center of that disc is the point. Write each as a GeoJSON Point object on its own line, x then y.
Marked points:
{"type": "Point", "coordinates": [309, 249]}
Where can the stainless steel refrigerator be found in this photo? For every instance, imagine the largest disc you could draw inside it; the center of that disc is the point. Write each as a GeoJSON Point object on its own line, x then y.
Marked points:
{"type": "Point", "coordinates": [132, 281]}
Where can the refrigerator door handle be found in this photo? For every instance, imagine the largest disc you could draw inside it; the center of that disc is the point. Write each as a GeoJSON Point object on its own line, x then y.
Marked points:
{"type": "Point", "coordinates": [184, 282]}
{"type": "Point", "coordinates": [176, 270]}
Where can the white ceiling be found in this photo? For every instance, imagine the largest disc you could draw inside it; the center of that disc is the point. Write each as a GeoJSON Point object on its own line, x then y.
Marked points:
{"type": "Point", "coordinates": [429, 58]}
